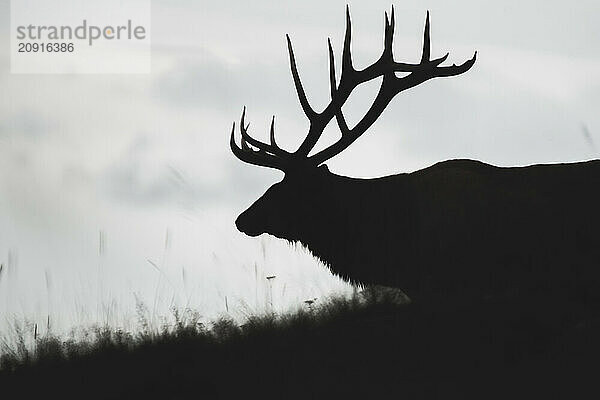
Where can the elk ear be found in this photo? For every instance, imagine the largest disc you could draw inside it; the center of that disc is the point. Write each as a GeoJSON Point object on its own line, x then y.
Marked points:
{"type": "Point", "coordinates": [323, 168]}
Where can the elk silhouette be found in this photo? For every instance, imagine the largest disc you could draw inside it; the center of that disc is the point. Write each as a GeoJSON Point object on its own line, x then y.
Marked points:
{"type": "Point", "coordinates": [458, 230]}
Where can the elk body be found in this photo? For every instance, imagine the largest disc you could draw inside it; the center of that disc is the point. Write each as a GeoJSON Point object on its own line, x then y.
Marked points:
{"type": "Point", "coordinates": [458, 230]}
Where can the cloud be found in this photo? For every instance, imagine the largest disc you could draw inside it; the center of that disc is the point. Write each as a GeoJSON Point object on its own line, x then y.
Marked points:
{"type": "Point", "coordinates": [216, 84]}
{"type": "Point", "coordinates": [139, 178]}
{"type": "Point", "coordinates": [125, 153]}
{"type": "Point", "coordinates": [27, 123]}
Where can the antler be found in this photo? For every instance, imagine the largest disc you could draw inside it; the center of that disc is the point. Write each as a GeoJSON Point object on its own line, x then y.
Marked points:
{"type": "Point", "coordinates": [267, 155]}
{"type": "Point", "coordinates": [391, 85]}
{"type": "Point", "coordinates": [385, 66]}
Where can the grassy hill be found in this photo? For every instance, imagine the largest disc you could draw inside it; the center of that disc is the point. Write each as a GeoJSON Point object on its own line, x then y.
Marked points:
{"type": "Point", "coordinates": [366, 347]}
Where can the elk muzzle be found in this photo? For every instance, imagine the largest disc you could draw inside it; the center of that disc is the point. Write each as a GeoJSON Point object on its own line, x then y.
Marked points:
{"type": "Point", "coordinates": [246, 225]}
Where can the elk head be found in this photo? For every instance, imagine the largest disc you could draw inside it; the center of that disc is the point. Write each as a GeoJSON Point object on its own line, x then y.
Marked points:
{"type": "Point", "coordinates": [285, 208]}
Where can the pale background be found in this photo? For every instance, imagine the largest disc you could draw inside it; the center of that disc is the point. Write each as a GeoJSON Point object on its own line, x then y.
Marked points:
{"type": "Point", "coordinates": [117, 187]}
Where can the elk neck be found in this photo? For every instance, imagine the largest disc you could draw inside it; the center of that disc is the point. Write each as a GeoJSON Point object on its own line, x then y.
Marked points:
{"type": "Point", "coordinates": [354, 217]}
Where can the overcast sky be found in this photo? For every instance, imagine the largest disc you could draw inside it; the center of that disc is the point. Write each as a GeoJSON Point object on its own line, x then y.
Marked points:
{"type": "Point", "coordinates": [141, 163]}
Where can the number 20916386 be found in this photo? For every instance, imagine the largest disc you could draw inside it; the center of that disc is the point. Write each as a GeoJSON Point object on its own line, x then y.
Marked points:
{"type": "Point", "coordinates": [46, 47]}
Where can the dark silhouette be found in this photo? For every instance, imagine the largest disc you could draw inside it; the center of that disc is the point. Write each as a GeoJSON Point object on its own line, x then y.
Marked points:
{"type": "Point", "coordinates": [350, 349]}
{"type": "Point", "coordinates": [458, 231]}
{"type": "Point", "coordinates": [513, 252]}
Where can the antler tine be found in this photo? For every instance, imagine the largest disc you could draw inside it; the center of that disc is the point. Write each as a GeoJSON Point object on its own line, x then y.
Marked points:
{"type": "Point", "coordinates": [388, 37]}
{"type": "Point", "coordinates": [426, 42]}
{"type": "Point", "coordinates": [347, 52]}
{"type": "Point", "coordinates": [244, 154]}
{"type": "Point", "coordinates": [274, 148]}
{"type": "Point", "coordinates": [332, 83]}
{"type": "Point", "coordinates": [244, 130]}
{"type": "Point", "coordinates": [332, 79]}
{"type": "Point", "coordinates": [310, 113]}
{"type": "Point", "coordinates": [272, 134]}
{"type": "Point", "coordinates": [267, 155]}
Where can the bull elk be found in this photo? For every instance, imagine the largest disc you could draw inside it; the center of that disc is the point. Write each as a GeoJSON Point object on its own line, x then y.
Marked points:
{"type": "Point", "coordinates": [460, 229]}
